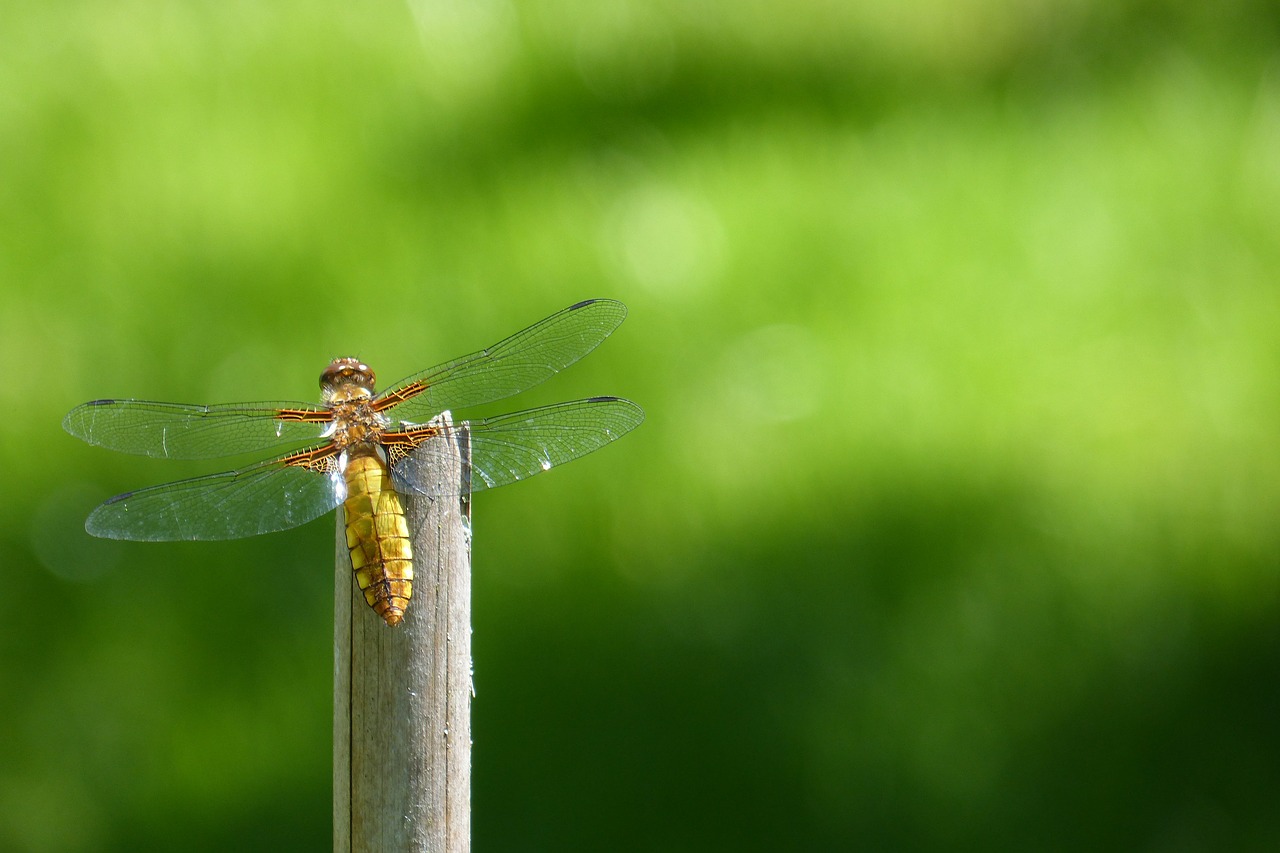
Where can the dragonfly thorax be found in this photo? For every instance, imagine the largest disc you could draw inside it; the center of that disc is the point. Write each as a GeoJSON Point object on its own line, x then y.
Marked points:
{"type": "Point", "coordinates": [347, 389]}
{"type": "Point", "coordinates": [355, 423]}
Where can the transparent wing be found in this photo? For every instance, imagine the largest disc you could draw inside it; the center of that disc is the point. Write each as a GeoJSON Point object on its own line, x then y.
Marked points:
{"type": "Point", "coordinates": [262, 498]}
{"type": "Point", "coordinates": [516, 364]}
{"type": "Point", "coordinates": [180, 431]}
{"type": "Point", "coordinates": [519, 445]}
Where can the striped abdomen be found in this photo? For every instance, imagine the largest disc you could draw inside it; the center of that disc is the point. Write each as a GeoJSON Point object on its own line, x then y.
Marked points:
{"type": "Point", "coordinates": [378, 537]}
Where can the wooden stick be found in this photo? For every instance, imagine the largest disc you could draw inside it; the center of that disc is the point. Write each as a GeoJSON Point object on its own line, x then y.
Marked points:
{"type": "Point", "coordinates": [402, 695]}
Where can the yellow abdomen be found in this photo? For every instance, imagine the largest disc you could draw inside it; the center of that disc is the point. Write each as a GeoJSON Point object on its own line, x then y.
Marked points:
{"type": "Point", "coordinates": [378, 537]}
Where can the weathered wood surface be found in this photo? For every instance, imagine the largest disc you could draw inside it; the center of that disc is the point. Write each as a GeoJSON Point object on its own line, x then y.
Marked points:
{"type": "Point", "coordinates": [402, 695]}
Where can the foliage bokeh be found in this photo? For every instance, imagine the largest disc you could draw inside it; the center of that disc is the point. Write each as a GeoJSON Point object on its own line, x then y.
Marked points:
{"type": "Point", "coordinates": [953, 520]}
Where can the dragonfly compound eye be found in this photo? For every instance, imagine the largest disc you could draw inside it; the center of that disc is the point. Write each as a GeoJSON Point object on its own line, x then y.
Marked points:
{"type": "Point", "coordinates": [346, 372]}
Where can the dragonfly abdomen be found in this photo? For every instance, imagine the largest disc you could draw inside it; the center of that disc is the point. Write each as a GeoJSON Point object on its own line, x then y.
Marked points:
{"type": "Point", "coordinates": [378, 537]}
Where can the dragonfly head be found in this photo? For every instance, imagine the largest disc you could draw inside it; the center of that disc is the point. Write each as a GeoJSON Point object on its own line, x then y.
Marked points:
{"type": "Point", "coordinates": [346, 379]}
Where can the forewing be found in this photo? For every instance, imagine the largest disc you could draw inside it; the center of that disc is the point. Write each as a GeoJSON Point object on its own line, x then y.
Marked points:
{"type": "Point", "coordinates": [266, 497]}
{"type": "Point", "coordinates": [514, 447]}
{"type": "Point", "coordinates": [516, 364]}
{"type": "Point", "coordinates": [180, 431]}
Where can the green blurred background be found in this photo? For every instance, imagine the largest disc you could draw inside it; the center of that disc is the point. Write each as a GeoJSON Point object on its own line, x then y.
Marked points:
{"type": "Point", "coordinates": [953, 522]}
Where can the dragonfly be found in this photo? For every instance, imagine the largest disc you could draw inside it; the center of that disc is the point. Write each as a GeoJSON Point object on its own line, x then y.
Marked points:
{"type": "Point", "coordinates": [363, 451]}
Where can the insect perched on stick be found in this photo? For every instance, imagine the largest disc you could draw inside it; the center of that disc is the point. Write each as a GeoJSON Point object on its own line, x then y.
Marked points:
{"type": "Point", "coordinates": [359, 449]}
